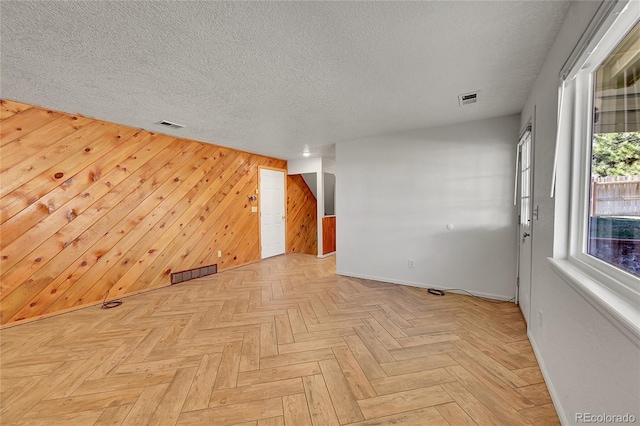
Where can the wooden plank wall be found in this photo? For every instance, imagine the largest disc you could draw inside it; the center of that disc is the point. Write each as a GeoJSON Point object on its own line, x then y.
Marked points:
{"type": "Point", "coordinates": [302, 225]}
{"type": "Point", "coordinates": [328, 234]}
{"type": "Point", "coordinates": [89, 206]}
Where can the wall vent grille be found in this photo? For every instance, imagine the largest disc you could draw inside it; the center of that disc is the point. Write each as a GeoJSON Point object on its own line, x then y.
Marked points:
{"type": "Point", "coordinates": [192, 274]}
{"type": "Point", "coordinates": [468, 98]}
{"type": "Point", "coordinates": [171, 124]}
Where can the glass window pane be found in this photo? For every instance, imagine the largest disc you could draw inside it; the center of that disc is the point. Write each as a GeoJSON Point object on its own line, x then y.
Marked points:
{"type": "Point", "coordinates": [525, 179]}
{"type": "Point", "coordinates": [614, 210]}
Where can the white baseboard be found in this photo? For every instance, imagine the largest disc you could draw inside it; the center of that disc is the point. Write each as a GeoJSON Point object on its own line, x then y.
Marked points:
{"type": "Point", "coordinates": [552, 391]}
{"type": "Point", "coordinates": [322, 256]}
{"type": "Point", "coordinates": [423, 285]}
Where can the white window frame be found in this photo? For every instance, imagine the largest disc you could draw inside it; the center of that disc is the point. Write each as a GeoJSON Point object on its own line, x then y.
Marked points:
{"type": "Point", "coordinates": [613, 290]}
{"type": "Point", "coordinates": [526, 174]}
{"type": "Point", "coordinates": [617, 279]}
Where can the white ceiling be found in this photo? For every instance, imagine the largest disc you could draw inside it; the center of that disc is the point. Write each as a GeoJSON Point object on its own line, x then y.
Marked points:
{"type": "Point", "coordinates": [270, 77]}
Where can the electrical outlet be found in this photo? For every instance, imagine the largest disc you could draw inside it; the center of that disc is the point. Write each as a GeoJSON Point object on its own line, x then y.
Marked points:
{"type": "Point", "coordinates": [254, 209]}
{"type": "Point", "coordinates": [219, 253]}
{"type": "Point", "coordinates": [412, 263]}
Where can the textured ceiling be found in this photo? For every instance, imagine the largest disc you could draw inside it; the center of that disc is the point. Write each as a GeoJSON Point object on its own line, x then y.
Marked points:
{"type": "Point", "coordinates": [271, 77]}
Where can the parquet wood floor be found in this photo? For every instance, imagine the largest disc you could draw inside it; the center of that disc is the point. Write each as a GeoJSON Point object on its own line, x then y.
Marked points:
{"type": "Point", "coordinates": [280, 342]}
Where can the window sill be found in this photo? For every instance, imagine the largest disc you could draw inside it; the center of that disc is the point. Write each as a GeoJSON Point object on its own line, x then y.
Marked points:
{"type": "Point", "coordinates": [624, 314]}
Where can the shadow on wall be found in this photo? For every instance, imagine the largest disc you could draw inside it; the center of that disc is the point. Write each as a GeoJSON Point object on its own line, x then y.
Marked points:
{"type": "Point", "coordinates": [473, 255]}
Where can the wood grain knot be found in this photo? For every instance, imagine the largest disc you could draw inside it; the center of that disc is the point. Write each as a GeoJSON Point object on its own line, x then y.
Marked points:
{"type": "Point", "coordinates": [58, 175]}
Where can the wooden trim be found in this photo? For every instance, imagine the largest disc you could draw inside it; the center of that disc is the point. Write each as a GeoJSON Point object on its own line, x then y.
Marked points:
{"type": "Point", "coordinates": [275, 169]}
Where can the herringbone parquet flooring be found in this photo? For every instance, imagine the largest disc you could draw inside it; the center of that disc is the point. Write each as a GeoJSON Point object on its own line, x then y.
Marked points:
{"type": "Point", "coordinates": [283, 341]}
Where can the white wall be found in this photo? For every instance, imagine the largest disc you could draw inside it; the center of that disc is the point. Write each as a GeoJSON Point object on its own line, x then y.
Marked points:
{"type": "Point", "coordinates": [311, 180]}
{"type": "Point", "coordinates": [329, 194]}
{"type": "Point", "coordinates": [589, 363]}
{"type": "Point", "coordinates": [396, 194]}
{"type": "Point", "coordinates": [304, 165]}
{"type": "Point", "coordinates": [329, 165]}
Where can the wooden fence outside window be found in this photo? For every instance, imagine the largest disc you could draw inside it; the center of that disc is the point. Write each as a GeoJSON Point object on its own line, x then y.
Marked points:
{"type": "Point", "coordinates": [615, 196]}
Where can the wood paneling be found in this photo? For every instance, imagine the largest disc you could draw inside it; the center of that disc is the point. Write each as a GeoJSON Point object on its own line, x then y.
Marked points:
{"type": "Point", "coordinates": [328, 234]}
{"type": "Point", "coordinates": [302, 225]}
{"type": "Point", "coordinates": [89, 206]}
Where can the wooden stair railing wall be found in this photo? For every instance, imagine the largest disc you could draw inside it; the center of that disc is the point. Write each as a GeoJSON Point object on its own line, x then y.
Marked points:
{"type": "Point", "coordinates": [302, 225]}
{"type": "Point", "coordinates": [89, 206]}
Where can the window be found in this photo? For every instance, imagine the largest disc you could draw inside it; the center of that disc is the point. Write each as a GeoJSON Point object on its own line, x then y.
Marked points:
{"type": "Point", "coordinates": [525, 178]}
{"type": "Point", "coordinates": [614, 202]}
{"type": "Point", "coordinates": [600, 113]}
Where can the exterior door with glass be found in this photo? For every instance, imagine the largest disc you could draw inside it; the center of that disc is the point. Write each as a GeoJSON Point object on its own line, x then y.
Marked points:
{"type": "Point", "coordinates": [524, 190]}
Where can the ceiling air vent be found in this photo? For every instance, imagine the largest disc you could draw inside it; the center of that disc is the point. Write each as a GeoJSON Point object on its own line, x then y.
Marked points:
{"type": "Point", "coordinates": [171, 124]}
{"type": "Point", "coordinates": [468, 98]}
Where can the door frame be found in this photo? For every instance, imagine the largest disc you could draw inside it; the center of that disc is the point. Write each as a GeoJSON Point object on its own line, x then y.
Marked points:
{"type": "Point", "coordinates": [531, 126]}
{"type": "Point", "coordinates": [284, 171]}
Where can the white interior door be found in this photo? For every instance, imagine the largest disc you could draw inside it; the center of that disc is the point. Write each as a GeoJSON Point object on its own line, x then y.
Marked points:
{"type": "Point", "coordinates": [272, 212]}
{"type": "Point", "coordinates": [525, 169]}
